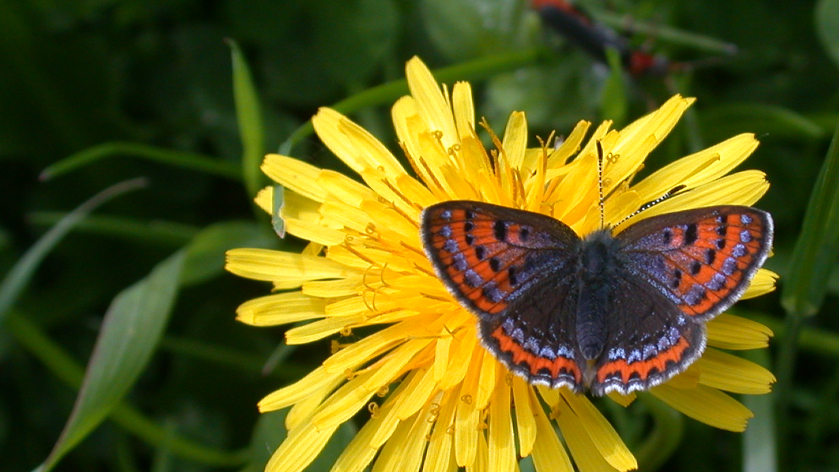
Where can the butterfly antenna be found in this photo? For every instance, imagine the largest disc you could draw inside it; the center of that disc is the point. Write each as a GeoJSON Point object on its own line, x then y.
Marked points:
{"type": "Point", "coordinates": [652, 203]}
{"type": "Point", "coordinates": [601, 201]}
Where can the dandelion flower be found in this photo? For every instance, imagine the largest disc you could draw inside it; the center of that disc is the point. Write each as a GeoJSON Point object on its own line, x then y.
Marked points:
{"type": "Point", "coordinates": [436, 397]}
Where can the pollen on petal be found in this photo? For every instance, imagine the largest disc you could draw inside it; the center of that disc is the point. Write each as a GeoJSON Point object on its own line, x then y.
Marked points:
{"type": "Point", "coordinates": [438, 457]}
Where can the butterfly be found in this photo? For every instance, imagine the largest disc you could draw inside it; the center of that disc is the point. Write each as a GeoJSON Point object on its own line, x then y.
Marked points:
{"type": "Point", "coordinates": [601, 313]}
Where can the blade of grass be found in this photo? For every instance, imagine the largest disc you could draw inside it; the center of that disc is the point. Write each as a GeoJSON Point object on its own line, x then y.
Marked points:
{"type": "Point", "coordinates": [812, 261]}
{"type": "Point", "coordinates": [18, 278]}
{"type": "Point", "coordinates": [249, 116]}
{"type": "Point", "coordinates": [613, 101]}
{"type": "Point", "coordinates": [134, 324]}
{"type": "Point", "coordinates": [166, 233]}
{"type": "Point", "coordinates": [65, 368]}
{"type": "Point", "coordinates": [760, 453]}
{"type": "Point", "coordinates": [130, 333]}
{"type": "Point", "coordinates": [667, 33]}
{"type": "Point", "coordinates": [186, 160]}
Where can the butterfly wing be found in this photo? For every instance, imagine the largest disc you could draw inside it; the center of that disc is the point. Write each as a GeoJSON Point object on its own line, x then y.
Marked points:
{"type": "Point", "coordinates": [703, 259]}
{"type": "Point", "coordinates": [649, 339]}
{"type": "Point", "coordinates": [513, 269]}
{"type": "Point", "coordinates": [675, 272]}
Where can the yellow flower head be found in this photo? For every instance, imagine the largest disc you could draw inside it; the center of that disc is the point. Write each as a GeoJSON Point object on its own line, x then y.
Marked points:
{"type": "Point", "coordinates": [436, 397]}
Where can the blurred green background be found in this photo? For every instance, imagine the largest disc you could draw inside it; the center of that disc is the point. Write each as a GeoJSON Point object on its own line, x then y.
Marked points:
{"type": "Point", "coordinates": [97, 92]}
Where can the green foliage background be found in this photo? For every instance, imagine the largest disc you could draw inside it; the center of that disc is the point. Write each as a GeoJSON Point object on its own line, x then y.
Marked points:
{"type": "Point", "coordinates": [96, 92]}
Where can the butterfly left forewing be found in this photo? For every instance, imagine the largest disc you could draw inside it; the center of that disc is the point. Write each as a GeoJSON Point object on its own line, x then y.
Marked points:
{"type": "Point", "coordinates": [701, 259]}
{"type": "Point", "coordinates": [485, 254]}
{"type": "Point", "coordinates": [511, 268]}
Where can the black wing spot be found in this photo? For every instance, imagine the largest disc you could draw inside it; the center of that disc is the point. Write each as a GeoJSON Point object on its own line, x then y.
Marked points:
{"type": "Point", "coordinates": [494, 264]}
{"type": "Point", "coordinates": [512, 275]}
{"type": "Point", "coordinates": [500, 228]}
{"type": "Point", "coordinates": [677, 279]}
{"type": "Point", "coordinates": [524, 233]}
{"type": "Point", "coordinates": [691, 234]}
{"type": "Point", "coordinates": [710, 256]}
{"type": "Point", "coordinates": [469, 239]}
{"type": "Point", "coordinates": [480, 252]}
{"type": "Point", "coordinates": [468, 226]}
{"type": "Point", "coordinates": [721, 244]}
{"type": "Point", "coordinates": [667, 236]}
{"type": "Point", "coordinates": [695, 267]}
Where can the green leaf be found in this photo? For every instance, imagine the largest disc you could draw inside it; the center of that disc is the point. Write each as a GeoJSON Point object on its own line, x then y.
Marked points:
{"type": "Point", "coordinates": [18, 278]}
{"type": "Point", "coordinates": [815, 253]}
{"type": "Point", "coordinates": [130, 333]}
{"type": "Point", "coordinates": [827, 27]}
{"type": "Point", "coordinates": [249, 116]}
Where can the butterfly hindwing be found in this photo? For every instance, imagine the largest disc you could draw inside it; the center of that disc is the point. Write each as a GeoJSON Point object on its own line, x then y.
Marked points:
{"type": "Point", "coordinates": [649, 340]}
{"type": "Point", "coordinates": [702, 259]}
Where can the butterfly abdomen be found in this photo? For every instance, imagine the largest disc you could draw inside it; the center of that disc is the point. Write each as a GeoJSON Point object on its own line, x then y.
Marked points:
{"type": "Point", "coordinates": [595, 266]}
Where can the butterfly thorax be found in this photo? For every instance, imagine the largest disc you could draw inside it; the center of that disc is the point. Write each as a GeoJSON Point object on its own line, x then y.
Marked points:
{"type": "Point", "coordinates": [596, 264]}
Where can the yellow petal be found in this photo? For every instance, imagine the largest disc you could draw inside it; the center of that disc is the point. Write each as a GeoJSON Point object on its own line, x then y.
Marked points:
{"type": "Point", "coordinates": [438, 458]}
{"type": "Point", "coordinates": [432, 105]}
{"type": "Point", "coordinates": [762, 283]}
{"type": "Point", "coordinates": [467, 416]}
{"type": "Point", "coordinates": [266, 264]}
{"type": "Point", "coordinates": [707, 405]}
{"type": "Point", "coordinates": [733, 332]}
{"type": "Point", "coordinates": [486, 380]}
{"type": "Point", "coordinates": [279, 309]}
{"type": "Point", "coordinates": [317, 380]}
{"type": "Point", "coordinates": [698, 168]}
{"type": "Point", "coordinates": [405, 449]}
{"type": "Point", "coordinates": [733, 374]}
{"type": "Point", "coordinates": [299, 449]}
{"type": "Point", "coordinates": [583, 450]}
{"type": "Point", "coordinates": [603, 435]}
{"type": "Point", "coordinates": [525, 419]}
{"type": "Point", "coordinates": [548, 453]}
{"type": "Point", "coordinates": [500, 437]}
{"type": "Point", "coordinates": [294, 174]}
{"type": "Point", "coordinates": [353, 144]}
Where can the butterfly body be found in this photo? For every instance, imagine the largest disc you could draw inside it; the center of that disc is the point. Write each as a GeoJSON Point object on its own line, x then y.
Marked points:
{"type": "Point", "coordinates": [606, 312]}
